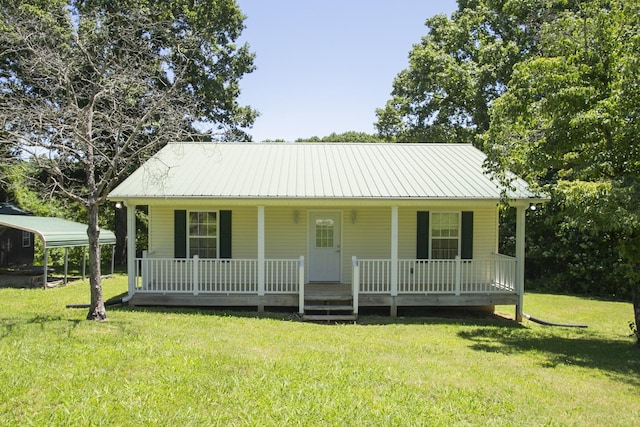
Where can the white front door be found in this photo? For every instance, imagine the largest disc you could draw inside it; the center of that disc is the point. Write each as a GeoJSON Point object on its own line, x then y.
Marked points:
{"type": "Point", "coordinates": [324, 247]}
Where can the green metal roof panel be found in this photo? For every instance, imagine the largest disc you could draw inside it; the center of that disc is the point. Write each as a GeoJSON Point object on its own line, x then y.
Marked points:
{"type": "Point", "coordinates": [316, 170]}
{"type": "Point", "coordinates": [56, 232]}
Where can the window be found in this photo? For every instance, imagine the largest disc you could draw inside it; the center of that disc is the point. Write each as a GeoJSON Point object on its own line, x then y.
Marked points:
{"type": "Point", "coordinates": [445, 235]}
{"type": "Point", "coordinates": [203, 234]}
{"type": "Point", "coordinates": [324, 233]}
{"type": "Point", "coordinates": [26, 239]}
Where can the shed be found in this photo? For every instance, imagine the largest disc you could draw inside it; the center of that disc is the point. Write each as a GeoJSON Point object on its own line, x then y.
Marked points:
{"type": "Point", "coordinates": [16, 246]}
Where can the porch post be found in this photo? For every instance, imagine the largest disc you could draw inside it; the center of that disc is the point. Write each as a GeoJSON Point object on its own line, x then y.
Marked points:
{"type": "Point", "coordinates": [394, 251]}
{"type": "Point", "coordinates": [131, 247]}
{"type": "Point", "coordinates": [260, 250]}
{"type": "Point", "coordinates": [520, 226]}
{"type": "Point", "coordinates": [356, 284]}
{"type": "Point", "coordinates": [301, 285]}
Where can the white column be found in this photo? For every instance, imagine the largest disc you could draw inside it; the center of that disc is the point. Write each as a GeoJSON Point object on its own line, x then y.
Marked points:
{"type": "Point", "coordinates": [131, 247]}
{"type": "Point", "coordinates": [394, 251]}
{"type": "Point", "coordinates": [356, 284]}
{"type": "Point", "coordinates": [260, 250]}
{"type": "Point", "coordinates": [301, 285]}
{"type": "Point", "coordinates": [520, 240]}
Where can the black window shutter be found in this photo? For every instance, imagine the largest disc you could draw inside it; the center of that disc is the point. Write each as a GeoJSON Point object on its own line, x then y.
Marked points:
{"type": "Point", "coordinates": [422, 239]}
{"type": "Point", "coordinates": [180, 234]}
{"type": "Point", "coordinates": [466, 251]}
{"type": "Point", "coordinates": [225, 234]}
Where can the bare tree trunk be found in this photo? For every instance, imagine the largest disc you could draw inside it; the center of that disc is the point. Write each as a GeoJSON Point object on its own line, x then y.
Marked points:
{"type": "Point", "coordinates": [97, 310]}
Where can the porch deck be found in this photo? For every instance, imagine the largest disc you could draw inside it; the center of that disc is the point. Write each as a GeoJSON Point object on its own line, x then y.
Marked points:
{"type": "Point", "coordinates": [323, 291]}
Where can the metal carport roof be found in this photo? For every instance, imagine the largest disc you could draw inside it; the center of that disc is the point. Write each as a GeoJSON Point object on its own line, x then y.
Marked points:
{"type": "Point", "coordinates": [55, 232]}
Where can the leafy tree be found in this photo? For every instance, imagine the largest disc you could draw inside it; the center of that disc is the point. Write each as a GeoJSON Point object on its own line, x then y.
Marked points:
{"type": "Point", "coordinates": [460, 67]}
{"type": "Point", "coordinates": [569, 122]}
{"type": "Point", "coordinates": [90, 88]}
{"type": "Point", "coordinates": [350, 136]}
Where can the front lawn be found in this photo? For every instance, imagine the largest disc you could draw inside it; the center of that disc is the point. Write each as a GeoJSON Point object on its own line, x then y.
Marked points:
{"type": "Point", "coordinates": [189, 367]}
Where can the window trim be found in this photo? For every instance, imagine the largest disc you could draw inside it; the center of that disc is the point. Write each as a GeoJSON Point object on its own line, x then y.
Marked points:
{"type": "Point", "coordinates": [459, 237]}
{"type": "Point", "coordinates": [189, 236]}
{"type": "Point", "coordinates": [26, 239]}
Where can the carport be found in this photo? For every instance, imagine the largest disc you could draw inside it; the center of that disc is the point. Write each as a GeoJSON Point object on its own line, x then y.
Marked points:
{"type": "Point", "coordinates": [58, 233]}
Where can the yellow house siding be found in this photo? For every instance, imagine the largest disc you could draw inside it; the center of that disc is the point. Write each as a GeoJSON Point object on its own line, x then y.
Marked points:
{"type": "Point", "coordinates": [366, 231]}
{"type": "Point", "coordinates": [284, 238]}
{"type": "Point", "coordinates": [368, 237]}
{"type": "Point", "coordinates": [244, 226]}
{"type": "Point", "coordinates": [407, 231]}
{"type": "Point", "coordinates": [161, 231]}
{"type": "Point", "coordinates": [485, 233]}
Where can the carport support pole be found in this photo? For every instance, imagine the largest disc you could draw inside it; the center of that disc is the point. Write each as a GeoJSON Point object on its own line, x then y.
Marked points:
{"type": "Point", "coordinates": [66, 264]}
{"type": "Point", "coordinates": [46, 262]}
{"type": "Point", "coordinates": [84, 261]}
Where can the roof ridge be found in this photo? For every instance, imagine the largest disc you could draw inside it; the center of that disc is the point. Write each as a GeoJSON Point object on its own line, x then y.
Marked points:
{"type": "Point", "coordinates": [452, 144]}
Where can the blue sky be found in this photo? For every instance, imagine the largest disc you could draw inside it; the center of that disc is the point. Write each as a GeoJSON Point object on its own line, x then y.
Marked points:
{"type": "Point", "coordinates": [325, 66]}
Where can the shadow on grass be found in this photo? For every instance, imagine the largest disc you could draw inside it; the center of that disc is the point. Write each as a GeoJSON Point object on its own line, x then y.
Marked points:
{"type": "Point", "coordinates": [8, 325]}
{"type": "Point", "coordinates": [616, 358]}
{"type": "Point", "coordinates": [415, 316]}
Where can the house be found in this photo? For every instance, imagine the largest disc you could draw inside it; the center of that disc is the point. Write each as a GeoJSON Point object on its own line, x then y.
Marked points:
{"type": "Point", "coordinates": [327, 228]}
{"type": "Point", "coordinates": [16, 246]}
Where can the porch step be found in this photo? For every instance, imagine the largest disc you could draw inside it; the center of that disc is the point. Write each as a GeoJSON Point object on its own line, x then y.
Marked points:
{"type": "Point", "coordinates": [328, 307]}
{"type": "Point", "coordinates": [329, 317]}
{"type": "Point", "coordinates": [335, 297]}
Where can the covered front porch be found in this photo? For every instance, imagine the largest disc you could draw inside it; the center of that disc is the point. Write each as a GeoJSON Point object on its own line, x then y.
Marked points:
{"type": "Point", "coordinates": [392, 281]}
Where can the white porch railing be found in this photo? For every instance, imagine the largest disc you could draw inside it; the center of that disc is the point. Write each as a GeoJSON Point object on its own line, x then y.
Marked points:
{"type": "Point", "coordinates": [281, 276]}
{"type": "Point", "coordinates": [425, 276]}
{"type": "Point", "coordinates": [226, 276]}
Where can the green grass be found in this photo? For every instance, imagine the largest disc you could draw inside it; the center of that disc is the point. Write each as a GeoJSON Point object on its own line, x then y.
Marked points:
{"type": "Point", "coordinates": [188, 367]}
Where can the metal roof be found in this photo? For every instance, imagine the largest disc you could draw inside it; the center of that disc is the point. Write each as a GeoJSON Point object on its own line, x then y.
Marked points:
{"type": "Point", "coordinates": [316, 171]}
{"type": "Point", "coordinates": [55, 232]}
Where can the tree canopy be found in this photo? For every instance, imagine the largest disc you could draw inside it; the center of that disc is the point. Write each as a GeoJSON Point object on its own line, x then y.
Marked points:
{"type": "Point", "coordinates": [89, 88]}
{"type": "Point", "coordinates": [569, 123]}
{"type": "Point", "coordinates": [550, 91]}
{"type": "Point", "coordinates": [459, 68]}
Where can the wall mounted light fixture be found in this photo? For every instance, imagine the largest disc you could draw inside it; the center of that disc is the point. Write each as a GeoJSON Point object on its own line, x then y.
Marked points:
{"type": "Point", "coordinates": [296, 216]}
{"type": "Point", "coordinates": [354, 215]}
